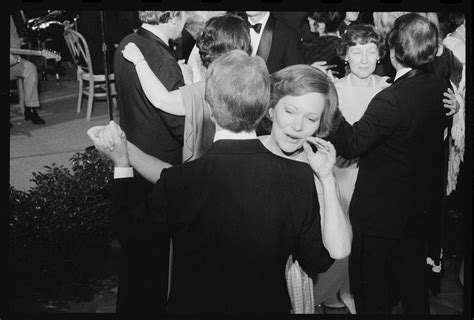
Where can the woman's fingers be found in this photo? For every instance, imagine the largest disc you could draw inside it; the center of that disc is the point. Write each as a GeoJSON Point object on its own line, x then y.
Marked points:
{"type": "Point", "coordinates": [307, 149]}
{"type": "Point", "coordinates": [320, 143]}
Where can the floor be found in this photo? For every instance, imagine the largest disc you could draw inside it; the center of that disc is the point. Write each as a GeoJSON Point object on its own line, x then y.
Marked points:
{"type": "Point", "coordinates": [32, 147]}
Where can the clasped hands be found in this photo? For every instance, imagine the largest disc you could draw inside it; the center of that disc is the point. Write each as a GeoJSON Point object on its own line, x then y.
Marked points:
{"type": "Point", "coordinates": [111, 141]}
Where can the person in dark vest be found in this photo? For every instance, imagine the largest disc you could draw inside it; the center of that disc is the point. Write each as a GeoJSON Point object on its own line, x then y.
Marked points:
{"type": "Point", "coordinates": [144, 266]}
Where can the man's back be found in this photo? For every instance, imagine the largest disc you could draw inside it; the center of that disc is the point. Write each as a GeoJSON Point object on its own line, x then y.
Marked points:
{"type": "Point", "coordinates": [155, 132]}
{"type": "Point", "coordinates": [397, 175]}
{"type": "Point", "coordinates": [235, 215]}
{"type": "Point", "coordinates": [144, 263]}
{"type": "Point", "coordinates": [286, 49]}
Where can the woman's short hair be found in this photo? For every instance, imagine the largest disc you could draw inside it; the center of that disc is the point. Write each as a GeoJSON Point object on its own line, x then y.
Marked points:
{"type": "Point", "coordinates": [222, 34]}
{"type": "Point", "coordinates": [158, 17]}
{"type": "Point", "coordinates": [238, 90]}
{"type": "Point", "coordinates": [331, 19]}
{"type": "Point", "coordinates": [414, 39]}
{"type": "Point", "coordinates": [360, 34]}
{"type": "Point", "coordinates": [300, 79]}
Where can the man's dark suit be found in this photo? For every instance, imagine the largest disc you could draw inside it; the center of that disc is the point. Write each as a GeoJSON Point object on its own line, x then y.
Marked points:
{"type": "Point", "coordinates": [144, 264]}
{"type": "Point", "coordinates": [234, 215]}
{"type": "Point", "coordinates": [280, 45]}
{"type": "Point", "coordinates": [400, 143]}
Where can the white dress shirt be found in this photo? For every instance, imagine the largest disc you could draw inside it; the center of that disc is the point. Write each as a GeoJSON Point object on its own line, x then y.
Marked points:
{"type": "Point", "coordinates": [401, 72]}
{"type": "Point", "coordinates": [254, 36]}
{"type": "Point", "coordinates": [224, 134]}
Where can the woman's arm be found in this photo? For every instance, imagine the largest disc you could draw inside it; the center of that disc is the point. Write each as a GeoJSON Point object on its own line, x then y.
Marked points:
{"type": "Point", "coordinates": [167, 101]}
{"type": "Point", "coordinates": [148, 166]}
{"type": "Point", "coordinates": [335, 226]}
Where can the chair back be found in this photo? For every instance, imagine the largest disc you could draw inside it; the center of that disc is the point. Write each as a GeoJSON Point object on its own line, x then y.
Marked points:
{"type": "Point", "coordinates": [79, 50]}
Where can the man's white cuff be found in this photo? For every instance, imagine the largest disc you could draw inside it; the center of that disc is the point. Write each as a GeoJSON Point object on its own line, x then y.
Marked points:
{"type": "Point", "coordinates": [123, 172]}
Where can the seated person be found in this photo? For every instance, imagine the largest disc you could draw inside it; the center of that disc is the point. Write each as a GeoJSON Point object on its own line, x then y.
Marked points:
{"type": "Point", "coordinates": [22, 68]}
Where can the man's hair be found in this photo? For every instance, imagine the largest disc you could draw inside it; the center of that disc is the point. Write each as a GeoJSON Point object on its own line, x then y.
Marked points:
{"type": "Point", "coordinates": [238, 90]}
{"type": "Point", "coordinates": [222, 34]}
{"type": "Point", "coordinates": [359, 34]}
{"type": "Point", "coordinates": [331, 19]}
{"type": "Point", "coordinates": [158, 17]}
{"type": "Point", "coordinates": [414, 39]}
{"type": "Point", "coordinates": [300, 79]}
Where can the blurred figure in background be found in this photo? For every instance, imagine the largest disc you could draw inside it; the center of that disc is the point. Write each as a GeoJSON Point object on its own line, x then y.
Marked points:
{"type": "Point", "coordinates": [324, 47]}
{"type": "Point", "coordinates": [24, 69]}
{"type": "Point", "coordinates": [350, 17]}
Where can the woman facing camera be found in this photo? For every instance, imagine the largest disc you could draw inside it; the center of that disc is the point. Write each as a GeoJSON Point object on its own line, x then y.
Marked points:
{"type": "Point", "coordinates": [303, 105]}
{"type": "Point", "coordinates": [360, 47]}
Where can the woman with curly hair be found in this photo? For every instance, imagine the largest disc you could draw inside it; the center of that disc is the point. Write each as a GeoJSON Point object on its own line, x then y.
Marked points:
{"type": "Point", "coordinates": [220, 35]}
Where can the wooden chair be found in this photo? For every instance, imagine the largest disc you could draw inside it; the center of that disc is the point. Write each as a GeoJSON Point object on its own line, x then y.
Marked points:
{"type": "Point", "coordinates": [95, 87]}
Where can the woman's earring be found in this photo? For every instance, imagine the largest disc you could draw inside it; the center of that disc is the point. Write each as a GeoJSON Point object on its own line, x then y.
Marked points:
{"type": "Point", "coordinates": [345, 61]}
{"type": "Point", "coordinates": [378, 60]}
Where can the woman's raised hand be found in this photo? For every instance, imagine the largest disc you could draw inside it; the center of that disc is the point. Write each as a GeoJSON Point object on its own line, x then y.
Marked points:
{"type": "Point", "coordinates": [322, 162]}
{"type": "Point", "coordinates": [132, 53]}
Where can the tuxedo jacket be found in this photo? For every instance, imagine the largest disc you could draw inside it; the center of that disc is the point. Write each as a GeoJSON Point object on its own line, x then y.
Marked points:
{"type": "Point", "coordinates": [399, 140]}
{"type": "Point", "coordinates": [280, 45]}
{"type": "Point", "coordinates": [153, 131]}
{"type": "Point", "coordinates": [235, 215]}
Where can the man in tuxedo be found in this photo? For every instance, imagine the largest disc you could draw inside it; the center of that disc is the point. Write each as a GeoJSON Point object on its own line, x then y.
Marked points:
{"type": "Point", "coordinates": [274, 41]}
{"type": "Point", "coordinates": [235, 214]}
{"type": "Point", "coordinates": [399, 141]}
{"type": "Point", "coordinates": [144, 264]}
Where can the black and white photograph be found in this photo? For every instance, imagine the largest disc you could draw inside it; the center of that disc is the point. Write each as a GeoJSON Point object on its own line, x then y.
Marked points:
{"type": "Point", "coordinates": [217, 162]}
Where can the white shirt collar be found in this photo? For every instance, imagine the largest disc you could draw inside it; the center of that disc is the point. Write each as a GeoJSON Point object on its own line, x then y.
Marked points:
{"type": "Point", "coordinates": [401, 72]}
{"type": "Point", "coordinates": [156, 32]}
{"type": "Point", "coordinates": [229, 135]}
{"type": "Point", "coordinates": [255, 37]}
